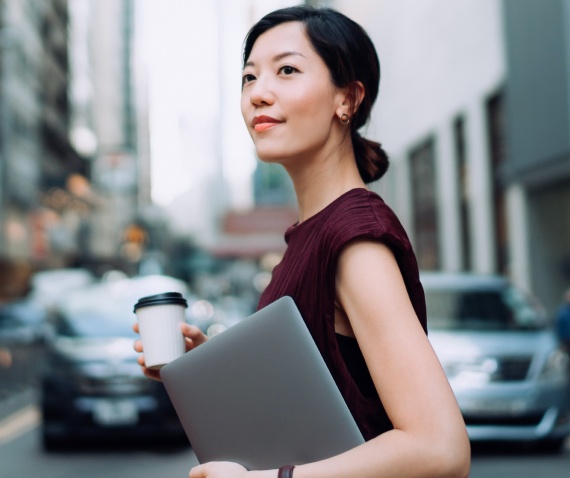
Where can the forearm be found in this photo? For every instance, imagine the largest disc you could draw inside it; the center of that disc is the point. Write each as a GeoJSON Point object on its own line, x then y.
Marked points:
{"type": "Point", "coordinates": [394, 454]}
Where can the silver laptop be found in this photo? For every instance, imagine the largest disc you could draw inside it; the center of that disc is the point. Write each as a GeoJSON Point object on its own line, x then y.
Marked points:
{"type": "Point", "coordinates": [260, 394]}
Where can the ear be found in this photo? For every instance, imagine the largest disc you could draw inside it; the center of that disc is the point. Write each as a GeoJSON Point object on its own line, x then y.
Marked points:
{"type": "Point", "coordinates": [351, 98]}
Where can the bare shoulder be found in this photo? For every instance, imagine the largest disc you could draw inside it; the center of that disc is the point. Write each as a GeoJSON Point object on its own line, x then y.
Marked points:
{"type": "Point", "coordinates": [364, 250]}
{"type": "Point", "coordinates": [370, 289]}
{"type": "Point", "coordinates": [369, 268]}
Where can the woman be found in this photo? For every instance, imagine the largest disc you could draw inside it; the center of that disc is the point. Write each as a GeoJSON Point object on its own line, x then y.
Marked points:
{"type": "Point", "coordinates": [310, 78]}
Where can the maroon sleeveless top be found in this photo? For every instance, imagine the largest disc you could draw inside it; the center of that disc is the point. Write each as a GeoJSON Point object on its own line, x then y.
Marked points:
{"type": "Point", "coordinates": [307, 274]}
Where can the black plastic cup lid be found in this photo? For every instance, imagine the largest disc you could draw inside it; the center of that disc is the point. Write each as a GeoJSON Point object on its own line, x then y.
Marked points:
{"type": "Point", "coordinates": [162, 299]}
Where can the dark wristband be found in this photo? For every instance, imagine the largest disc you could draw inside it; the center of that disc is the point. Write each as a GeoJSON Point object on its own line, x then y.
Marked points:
{"type": "Point", "coordinates": [286, 471]}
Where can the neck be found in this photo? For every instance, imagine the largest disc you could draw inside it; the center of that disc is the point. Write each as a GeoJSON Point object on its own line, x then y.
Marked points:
{"type": "Point", "coordinates": [323, 179]}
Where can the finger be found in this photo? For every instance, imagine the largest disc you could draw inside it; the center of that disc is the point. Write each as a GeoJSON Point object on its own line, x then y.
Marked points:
{"type": "Point", "coordinates": [194, 334]}
{"type": "Point", "coordinates": [198, 472]}
{"type": "Point", "coordinates": [137, 345]}
{"type": "Point", "coordinates": [150, 373]}
{"type": "Point", "coordinates": [136, 327]}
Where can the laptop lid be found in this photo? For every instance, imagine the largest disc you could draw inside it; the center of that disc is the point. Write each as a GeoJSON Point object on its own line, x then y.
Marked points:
{"type": "Point", "coordinates": [260, 394]}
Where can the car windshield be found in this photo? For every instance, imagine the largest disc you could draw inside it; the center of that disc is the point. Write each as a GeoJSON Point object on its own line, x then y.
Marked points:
{"type": "Point", "coordinates": [93, 323]}
{"type": "Point", "coordinates": [484, 310]}
{"type": "Point", "coordinates": [106, 309]}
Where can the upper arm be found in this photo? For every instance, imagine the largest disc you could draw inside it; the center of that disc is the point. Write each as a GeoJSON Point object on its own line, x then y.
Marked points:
{"type": "Point", "coordinates": [406, 372]}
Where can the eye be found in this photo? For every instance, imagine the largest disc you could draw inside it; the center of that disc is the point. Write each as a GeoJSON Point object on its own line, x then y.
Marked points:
{"type": "Point", "coordinates": [247, 78]}
{"type": "Point", "coordinates": [288, 70]}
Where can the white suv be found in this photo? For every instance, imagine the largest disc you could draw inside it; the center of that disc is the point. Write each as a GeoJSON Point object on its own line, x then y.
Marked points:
{"type": "Point", "coordinates": [502, 358]}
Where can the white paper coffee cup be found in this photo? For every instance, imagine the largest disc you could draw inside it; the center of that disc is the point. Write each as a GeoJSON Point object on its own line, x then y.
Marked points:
{"type": "Point", "coordinates": [159, 317]}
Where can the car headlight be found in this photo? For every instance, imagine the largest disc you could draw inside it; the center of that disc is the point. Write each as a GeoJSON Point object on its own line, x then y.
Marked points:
{"type": "Point", "coordinates": [99, 370]}
{"type": "Point", "coordinates": [475, 373]}
{"type": "Point", "coordinates": [556, 368]}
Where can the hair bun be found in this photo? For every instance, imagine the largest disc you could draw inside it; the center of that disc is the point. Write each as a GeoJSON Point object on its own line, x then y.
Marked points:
{"type": "Point", "coordinates": [371, 159]}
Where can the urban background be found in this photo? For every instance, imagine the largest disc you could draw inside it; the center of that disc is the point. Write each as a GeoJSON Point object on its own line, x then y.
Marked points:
{"type": "Point", "coordinates": [122, 146]}
{"type": "Point", "coordinates": [123, 152]}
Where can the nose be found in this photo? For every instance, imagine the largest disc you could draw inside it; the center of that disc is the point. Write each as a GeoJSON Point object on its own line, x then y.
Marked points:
{"type": "Point", "coordinates": [261, 93]}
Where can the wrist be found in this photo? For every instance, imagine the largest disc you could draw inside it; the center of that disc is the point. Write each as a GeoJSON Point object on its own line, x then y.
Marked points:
{"type": "Point", "coordinates": [262, 474]}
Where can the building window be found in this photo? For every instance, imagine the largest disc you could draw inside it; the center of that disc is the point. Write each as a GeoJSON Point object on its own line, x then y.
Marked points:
{"type": "Point", "coordinates": [424, 200]}
{"type": "Point", "coordinates": [496, 135]}
{"type": "Point", "coordinates": [463, 190]}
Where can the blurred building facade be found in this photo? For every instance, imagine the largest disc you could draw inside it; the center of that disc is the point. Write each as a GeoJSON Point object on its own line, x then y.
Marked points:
{"type": "Point", "coordinates": [74, 155]}
{"type": "Point", "coordinates": [36, 157]}
{"type": "Point", "coordinates": [537, 132]}
{"type": "Point", "coordinates": [110, 126]}
{"type": "Point", "coordinates": [473, 111]}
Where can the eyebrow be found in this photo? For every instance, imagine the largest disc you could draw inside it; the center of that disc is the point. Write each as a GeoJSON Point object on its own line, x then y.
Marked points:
{"type": "Point", "coordinates": [279, 57]}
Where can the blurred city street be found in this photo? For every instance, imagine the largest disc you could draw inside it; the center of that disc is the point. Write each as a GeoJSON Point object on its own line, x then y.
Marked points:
{"type": "Point", "coordinates": [131, 460]}
{"type": "Point", "coordinates": [126, 171]}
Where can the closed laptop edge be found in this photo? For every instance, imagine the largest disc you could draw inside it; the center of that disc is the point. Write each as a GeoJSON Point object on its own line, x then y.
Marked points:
{"type": "Point", "coordinates": [260, 394]}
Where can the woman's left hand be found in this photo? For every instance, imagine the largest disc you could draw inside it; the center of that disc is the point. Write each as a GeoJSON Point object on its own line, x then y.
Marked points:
{"type": "Point", "coordinates": [218, 469]}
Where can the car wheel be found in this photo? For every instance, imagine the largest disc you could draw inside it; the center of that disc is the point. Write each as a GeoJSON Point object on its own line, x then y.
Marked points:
{"type": "Point", "coordinates": [52, 441]}
{"type": "Point", "coordinates": [551, 445]}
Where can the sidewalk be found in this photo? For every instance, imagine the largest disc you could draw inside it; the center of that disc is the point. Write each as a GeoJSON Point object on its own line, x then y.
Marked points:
{"type": "Point", "coordinates": [19, 400]}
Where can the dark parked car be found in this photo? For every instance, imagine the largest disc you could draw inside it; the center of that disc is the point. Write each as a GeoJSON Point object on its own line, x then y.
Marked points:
{"type": "Point", "coordinates": [92, 386]}
{"type": "Point", "coordinates": [501, 356]}
{"type": "Point", "coordinates": [22, 322]}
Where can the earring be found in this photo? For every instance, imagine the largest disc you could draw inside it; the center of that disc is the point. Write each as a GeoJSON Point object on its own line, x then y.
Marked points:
{"type": "Point", "coordinates": [344, 119]}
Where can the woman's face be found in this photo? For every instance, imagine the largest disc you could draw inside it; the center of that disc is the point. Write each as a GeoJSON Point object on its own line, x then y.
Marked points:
{"type": "Point", "coordinates": [288, 101]}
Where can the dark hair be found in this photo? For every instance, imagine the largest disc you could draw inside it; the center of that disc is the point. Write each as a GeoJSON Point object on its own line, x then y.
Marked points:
{"type": "Point", "coordinates": [350, 56]}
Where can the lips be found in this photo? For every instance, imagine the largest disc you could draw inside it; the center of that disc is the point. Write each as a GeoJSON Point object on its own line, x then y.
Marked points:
{"type": "Point", "coordinates": [262, 123]}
